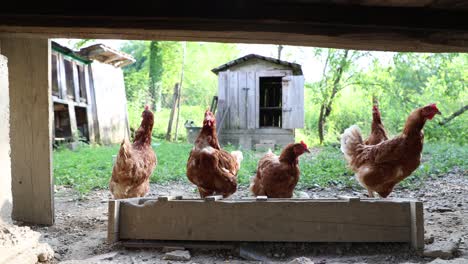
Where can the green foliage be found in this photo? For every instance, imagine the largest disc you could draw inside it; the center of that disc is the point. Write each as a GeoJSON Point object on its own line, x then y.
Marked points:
{"type": "Point", "coordinates": [91, 167]}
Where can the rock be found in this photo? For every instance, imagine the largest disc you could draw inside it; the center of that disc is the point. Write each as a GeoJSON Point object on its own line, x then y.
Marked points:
{"type": "Point", "coordinates": [429, 239]}
{"type": "Point", "coordinates": [44, 252]}
{"type": "Point", "coordinates": [442, 209]}
{"type": "Point", "coordinates": [443, 249]}
{"type": "Point", "coordinates": [107, 256]}
{"type": "Point", "coordinates": [453, 261]}
{"type": "Point", "coordinates": [301, 194]}
{"type": "Point", "coordinates": [169, 249]}
{"type": "Point", "coordinates": [301, 260]}
{"type": "Point", "coordinates": [177, 255]}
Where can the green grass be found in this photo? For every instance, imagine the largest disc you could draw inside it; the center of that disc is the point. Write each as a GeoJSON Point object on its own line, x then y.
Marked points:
{"type": "Point", "coordinates": [90, 167]}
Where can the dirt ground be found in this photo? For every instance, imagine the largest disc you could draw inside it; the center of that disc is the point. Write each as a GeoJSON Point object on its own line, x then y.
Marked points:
{"type": "Point", "coordinates": [81, 224]}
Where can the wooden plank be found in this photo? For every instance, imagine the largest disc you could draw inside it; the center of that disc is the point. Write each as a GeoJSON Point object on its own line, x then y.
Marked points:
{"type": "Point", "coordinates": [242, 95]}
{"type": "Point", "coordinates": [293, 102]}
{"type": "Point", "coordinates": [113, 221]}
{"type": "Point", "coordinates": [222, 101]}
{"type": "Point", "coordinates": [89, 106]}
{"type": "Point", "coordinates": [248, 220]}
{"type": "Point", "coordinates": [252, 113]}
{"type": "Point", "coordinates": [184, 244]}
{"type": "Point", "coordinates": [72, 116]}
{"type": "Point", "coordinates": [233, 100]}
{"type": "Point", "coordinates": [30, 129]}
{"type": "Point", "coordinates": [417, 225]}
{"type": "Point", "coordinates": [308, 23]}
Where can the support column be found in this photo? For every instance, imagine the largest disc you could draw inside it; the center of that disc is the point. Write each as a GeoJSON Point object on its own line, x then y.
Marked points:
{"type": "Point", "coordinates": [31, 117]}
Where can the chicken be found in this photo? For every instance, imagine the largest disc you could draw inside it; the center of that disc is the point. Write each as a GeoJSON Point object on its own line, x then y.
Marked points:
{"type": "Point", "coordinates": [212, 169]}
{"type": "Point", "coordinates": [380, 167]}
{"type": "Point", "coordinates": [277, 177]}
{"type": "Point", "coordinates": [378, 133]}
{"type": "Point", "coordinates": [135, 162]}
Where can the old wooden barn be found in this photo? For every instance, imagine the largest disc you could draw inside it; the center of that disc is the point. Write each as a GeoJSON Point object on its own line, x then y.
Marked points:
{"type": "Point", "coordinates": [82, 83]}
{"type": "Point", "coordinates": [260, 101]}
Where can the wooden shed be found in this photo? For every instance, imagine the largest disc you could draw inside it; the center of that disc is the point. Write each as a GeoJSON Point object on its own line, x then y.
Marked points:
{"type": "Point", "coordinates": [260, 101]}
{"type": "Point", "coordinates": [88, 94]}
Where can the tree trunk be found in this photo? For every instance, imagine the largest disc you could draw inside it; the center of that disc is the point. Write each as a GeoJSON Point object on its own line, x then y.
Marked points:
{"type": "Point", "coordinates": [180, 91]}
{"type": "Point", "coordinates": [326, 108]}
{"type": "Point", "coordinates": [175, 99]}
{"type": "Point", "coordinates": [452, 116]}
{"type": "Point", "coordinates": [155, 74]}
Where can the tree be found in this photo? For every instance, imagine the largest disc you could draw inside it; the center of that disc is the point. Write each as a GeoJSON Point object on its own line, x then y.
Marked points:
{"type": "Point", "coordinates": [155, 74]}
{"type": "Point", "coordinates": [335, 77]}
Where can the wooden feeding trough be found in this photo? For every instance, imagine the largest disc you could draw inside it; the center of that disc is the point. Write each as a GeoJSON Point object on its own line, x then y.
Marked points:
{"type": "Point", "coordinates": [213, 220]}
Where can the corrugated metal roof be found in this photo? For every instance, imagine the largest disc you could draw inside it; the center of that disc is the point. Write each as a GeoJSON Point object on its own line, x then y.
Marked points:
{"type": "Point", "coordinates": [297, 69]}
{"type": "Point", "coordinates": [69, 52]}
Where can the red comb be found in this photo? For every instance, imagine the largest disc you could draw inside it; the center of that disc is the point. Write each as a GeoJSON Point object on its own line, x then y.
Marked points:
{"type": "Point", "coordinates": [146, 107]}
{"type": "Point", "coordinates": [303, 144]}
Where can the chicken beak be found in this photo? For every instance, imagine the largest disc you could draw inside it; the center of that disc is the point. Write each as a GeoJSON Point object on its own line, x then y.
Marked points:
{"type": "Point", "coordinates": [438, 112]}
{"type": "Point", "coordinates": [307, 150]}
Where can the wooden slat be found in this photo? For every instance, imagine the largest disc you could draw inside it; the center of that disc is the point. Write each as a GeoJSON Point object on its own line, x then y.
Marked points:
{"type": "Point", "coordinates": [417, 225]}
{"type": "Point", "coordinates": [252, 113]}
{"type": "Point", "coordinates": [113, 222]}
{"type": "Point", "coordinates": [30, 129]}
{"type": "Point", "coordinates": [90, 106]}
{"type": "Point", "coordinates": [242, 93]}
{"type": "Point", "coordinates": [293, 102]}
{"type": "Point", "coordinates": [434, 27]}
{"type": "Point", "coordinates": [248, 220]}
{"type": "Point", "coordinates": [222, 102]}
{"type": "Point", "coordinates": [233, 100]}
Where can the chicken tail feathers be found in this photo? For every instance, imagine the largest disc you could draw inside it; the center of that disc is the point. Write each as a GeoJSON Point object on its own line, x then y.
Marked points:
{"type": "Point", "coordinates": [350, 140]}
{"type": "Point", "coordinates": [238, 155]}
{"type": "Point", "coordinates": [125, 149]}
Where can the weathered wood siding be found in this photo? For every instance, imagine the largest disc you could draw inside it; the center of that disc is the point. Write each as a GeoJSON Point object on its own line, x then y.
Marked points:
{"type": "Point", "coordinates": [5, 164]}
{"type": "Point", "coordinates": [293, 102]}
{"type": "Point", "coordinates": [249, 137]}
{"type": "Point", "coordinates": [274, 220]}
{"type": "Point", "coordinates": [110, 102]}
{"type": "Point", "coordinates": [30, 128]}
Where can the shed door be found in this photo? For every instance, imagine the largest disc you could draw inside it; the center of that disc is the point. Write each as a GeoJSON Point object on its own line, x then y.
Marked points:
{"type": "Point", "coordinates": [293, 102]}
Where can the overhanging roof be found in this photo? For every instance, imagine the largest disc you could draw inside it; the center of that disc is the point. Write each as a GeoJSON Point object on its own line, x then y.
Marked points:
{"type": "Point", "coordinates": [389, 25]}
{"type": "Point", "coordinates": [108, 55]}
{"type": "Point", "coordinates": [297, 69]}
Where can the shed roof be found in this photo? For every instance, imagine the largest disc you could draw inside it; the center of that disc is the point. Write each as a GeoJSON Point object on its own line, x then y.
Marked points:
{"type": "Point", "coordinates": [105, 54]}
{"type": "Point", "coordinates": [69, 53]}
{"type": "Point", "coordinates": [297, 69]}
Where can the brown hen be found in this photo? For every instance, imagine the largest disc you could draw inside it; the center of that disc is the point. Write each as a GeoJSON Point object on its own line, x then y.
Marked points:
{"type": "Point", "coordinates": [277, 177]}
{"type": "Point", "coordinates": [135, 162]}
{"type": "Point", "coordinates": [380, 167]}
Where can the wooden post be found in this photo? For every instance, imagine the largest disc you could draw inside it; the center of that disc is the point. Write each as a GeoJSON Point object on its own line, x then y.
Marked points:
{"type": "Point", "coordinates": [30, 128]}
{"type": "Point", "coordinates": [175, 98]}
{"type": "Point", "coordinates": [113, 223]}
{"type": "Point", "coordinates": [417, 225]}
{"type": "Point", "coordinates": [89, 108]}
{"type": "Point", "coordinates": [72, 116]}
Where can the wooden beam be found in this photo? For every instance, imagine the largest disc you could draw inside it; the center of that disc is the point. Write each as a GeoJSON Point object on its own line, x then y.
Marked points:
{"type": "Point", "coordinates": [417, 225]}
{"type": "Point", "coordinates": [89, 107]}
{"type": "Point", "coordinates": [30, 129]}
{"type": "Point", "coordinates": [307, 23]}
{"type": "Point", "coordinates": [272, 220]}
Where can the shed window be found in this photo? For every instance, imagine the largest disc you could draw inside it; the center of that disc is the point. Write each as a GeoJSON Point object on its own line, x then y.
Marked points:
{"type": "Point", "coordinates": [270, 102]}
{"type": "Point", "coordinates": [70, 79]}
{"type": "Point", "coordinates": [81, 82]}
{"type": "Point", "coordinates": [55, 86]}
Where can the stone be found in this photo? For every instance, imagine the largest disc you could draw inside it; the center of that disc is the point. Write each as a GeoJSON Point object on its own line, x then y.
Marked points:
{"type": "Point", "coordinates": [301, 194]}
{"type": "Point", "coordinates": [44, 252]}
{"type": "Point", "coordinates": [107, 256]}
{"type": "Point", "coordinates": [169, 249]}
{"type": "Point", "coordinates": [301, 260]}
{"type": "Point", "coordinates": [443, 249]}
{"type": "Point", "coordinates": [177, 255]}
{"type": "Point", "coordinates": [442, 209]}
{"type": "Point", "coordinates": [452, 261]}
